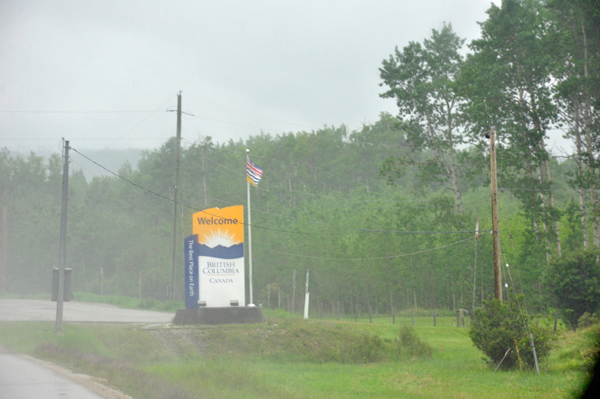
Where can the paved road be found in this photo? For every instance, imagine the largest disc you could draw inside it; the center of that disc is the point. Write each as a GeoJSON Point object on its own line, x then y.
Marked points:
{"type": "Point", "coordinates": [38, 310]}
{"type": "Point", "coordinates": [22, 377]}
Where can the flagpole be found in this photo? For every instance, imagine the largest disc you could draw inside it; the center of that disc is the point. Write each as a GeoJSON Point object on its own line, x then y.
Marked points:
{"type": "Point", "coordinates": [249, 232]}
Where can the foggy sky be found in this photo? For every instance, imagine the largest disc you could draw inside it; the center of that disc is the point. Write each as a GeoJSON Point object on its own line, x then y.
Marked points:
{"type": "Point", "coordinates": [243, 66]}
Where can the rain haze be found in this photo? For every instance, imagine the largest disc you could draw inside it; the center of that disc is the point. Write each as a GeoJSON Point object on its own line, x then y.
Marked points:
{"type": "Point", "coordinates": [103, 74]}
{"type": "Point", "coordinates": [368, 261]}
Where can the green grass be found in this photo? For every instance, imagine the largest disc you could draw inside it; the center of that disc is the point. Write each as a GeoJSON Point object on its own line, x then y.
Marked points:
{"type": "Point", "coordinates": [577, 350]}
{"type": "Point", "coordinates": [288, 357]}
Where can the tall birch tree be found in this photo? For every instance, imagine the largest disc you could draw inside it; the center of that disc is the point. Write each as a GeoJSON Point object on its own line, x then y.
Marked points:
{"type": "Point", "coordinates": [577, 94]}
{"type": "Point", "coordinates": [421, 78]}
{"type": "Point", "coordinates": [507, 80]}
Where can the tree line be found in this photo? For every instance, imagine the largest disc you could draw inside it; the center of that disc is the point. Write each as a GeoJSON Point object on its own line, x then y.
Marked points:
{"type": "Point", "coordinates": [383, 215]}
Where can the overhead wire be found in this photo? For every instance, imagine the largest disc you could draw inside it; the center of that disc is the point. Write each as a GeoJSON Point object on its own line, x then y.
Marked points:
{"type": "Point", "coordinates": [525, 323]}
{"type": "Point", "coordinates": [371, 258]}
{"type": "Point", "coordinates": [242, 112]}
{"type": "Point", "coordinates": [178, 202]}
{"type": "Point", "coordinates": [141, 121]}
{"type": "Point", "coordinates": [82, 167]}
{"type": "Point", "coordinates": [326, 224]}
{"type": "Point", "coordinates": [241, 174]}
{"type": "Point", "coordinates": [75, 112]}
{"type": "Point", "coordinates": [238, 174]}
{"type": "Point", "coordinates": [256, 226]}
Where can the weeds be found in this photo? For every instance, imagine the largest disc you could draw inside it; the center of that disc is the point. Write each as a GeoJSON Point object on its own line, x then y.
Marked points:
{"type": "Point", "coordinates": [588, 320]}
{"type": "Point", "coordinates": [410, 345]}
{"type": "Point", "coordinates": [122, 374]}
{"type": "Point", "coordinates": [292, 358]}
{"type": "Point", "coordinates": [576, 350]}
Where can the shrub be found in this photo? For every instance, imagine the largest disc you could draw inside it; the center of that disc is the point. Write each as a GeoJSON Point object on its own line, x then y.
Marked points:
{"type": "Point", "coordinates": [410, 345]}
{"type": "Point", "coordinates": [576, 350]}
{"type": "Point", "coordinates": [574, 281]}
{"type": "Point", "coordinates": [499, 326]}
{"type": "Point", "coordinates": [370, 349]}
{"type": "Point", "coordinates": [588, 320]}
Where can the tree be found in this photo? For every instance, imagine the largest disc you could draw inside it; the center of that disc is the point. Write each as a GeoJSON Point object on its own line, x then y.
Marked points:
{"type": "Point", "coordinates": [507, 81]}
{"type": "Point", "coordinates": [574, 281]}
{"type": "Point", "coordinates": [422, 80]}
{"type": "Point", "coordinates": [578, 84]}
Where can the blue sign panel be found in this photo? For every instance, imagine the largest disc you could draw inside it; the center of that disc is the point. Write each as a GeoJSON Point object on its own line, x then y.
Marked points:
{"type": "Point", "coordinates": [191, 271]}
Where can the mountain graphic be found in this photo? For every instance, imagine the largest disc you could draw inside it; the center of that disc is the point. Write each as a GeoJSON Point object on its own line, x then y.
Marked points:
{"type": "Point", "coordinates": [221, 252]}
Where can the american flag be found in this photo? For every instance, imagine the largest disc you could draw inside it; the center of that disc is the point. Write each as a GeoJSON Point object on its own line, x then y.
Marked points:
{"type": "Point", "coordinates": [253, 173]}
{"type": "Point", "coordinates": [477, 228]}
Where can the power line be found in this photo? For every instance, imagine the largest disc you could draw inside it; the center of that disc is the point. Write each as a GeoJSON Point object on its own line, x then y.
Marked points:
{"type": "Point", "coordinates": [140, 122]}
{"type": "Point", "coordinates": [245, 113]}
{"type": "Point", "coordinates": [374, 258]}
{"type": "Point", "coordinates": [83, 139]}
{"type": "Point", "coordinates": [129, 181]}
{"type": "Point", "coordinates": [74, 112]}
{"type": "Point", "coordinates": [423, 232]}
{"type": "Point", "coordinates": [326, 224]}
{"type": "Point", "coordinates": [179, 203]}
{"type": "Point", "coordinates": [257, 226]}
{"type": "Point", "coordinates": [83, 167]}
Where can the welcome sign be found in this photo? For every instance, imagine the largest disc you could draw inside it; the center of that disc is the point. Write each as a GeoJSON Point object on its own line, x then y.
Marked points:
{"type": "Point", "coordinates": [220, 257]}
{"type": "Point", "coordinates": [190, 254]}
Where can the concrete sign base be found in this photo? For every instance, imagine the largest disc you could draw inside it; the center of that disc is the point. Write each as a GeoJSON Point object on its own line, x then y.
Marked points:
{"type": "Point", "coordinates": [230, 315]}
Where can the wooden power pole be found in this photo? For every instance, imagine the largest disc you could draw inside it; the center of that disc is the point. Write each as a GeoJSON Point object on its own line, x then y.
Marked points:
{"type": "Point", "coordinates": [177, 156]}
{"type": "Point", "coordinates": [62, 252]}
{"type": "Point", "coordinates": [495, 224]}
{"type": "Point", "coordinates": [4, 249]}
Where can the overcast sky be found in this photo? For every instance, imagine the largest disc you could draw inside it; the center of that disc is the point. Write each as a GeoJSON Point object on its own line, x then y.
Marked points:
{"type": "Point", "coordinates": [102, 74]}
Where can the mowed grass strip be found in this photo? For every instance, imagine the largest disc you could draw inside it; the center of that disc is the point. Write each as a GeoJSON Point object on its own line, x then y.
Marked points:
{"type": "Point", "coordinates": [292, 358]}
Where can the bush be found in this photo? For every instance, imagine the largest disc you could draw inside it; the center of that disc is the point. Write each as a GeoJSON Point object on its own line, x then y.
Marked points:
{"type": "Point", "coordinates": [499, 326]}
{"type": "Point", "coordinates": [370, 349]}
{"type": "Point", "coordinates": [576, 350]}
{"type": "Point", "coordinates": [588, 320]}
{"type": "Point", "coordinates": [410, 345]}
{"type": "Point", "coordinates": [574, 281]}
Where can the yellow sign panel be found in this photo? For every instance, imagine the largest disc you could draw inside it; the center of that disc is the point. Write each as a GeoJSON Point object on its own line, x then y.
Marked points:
{"type": "Point", "coordinates": [224, 227]}
{"type": "Point", "coordinates": [220, 256]}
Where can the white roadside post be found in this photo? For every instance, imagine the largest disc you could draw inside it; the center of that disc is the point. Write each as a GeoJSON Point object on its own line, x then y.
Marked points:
{"type": "Point", "coordinates": [306, 296]}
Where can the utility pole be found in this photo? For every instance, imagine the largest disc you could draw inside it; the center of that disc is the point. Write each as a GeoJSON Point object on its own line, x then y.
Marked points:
{"type": "Point", "coordinates": [495, 224]}
{"type": "Point", "coordinates": [4, 248]}
{"type": "Point", "coordinates": [62, 253]}
{"type": "Point", "coordinates": [178, 154]}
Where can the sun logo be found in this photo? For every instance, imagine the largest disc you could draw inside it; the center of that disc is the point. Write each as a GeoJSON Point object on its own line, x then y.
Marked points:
{"type": "Point", "coordinates": [219, 237]}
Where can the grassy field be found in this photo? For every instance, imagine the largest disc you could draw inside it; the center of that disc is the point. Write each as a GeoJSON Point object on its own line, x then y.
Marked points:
{"type": "Point", "coordinates": [291, 358]}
